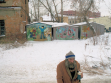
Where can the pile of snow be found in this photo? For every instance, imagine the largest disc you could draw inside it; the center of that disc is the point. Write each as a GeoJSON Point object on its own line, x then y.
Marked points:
{"type": "Point", "coordinates": [46, 18]}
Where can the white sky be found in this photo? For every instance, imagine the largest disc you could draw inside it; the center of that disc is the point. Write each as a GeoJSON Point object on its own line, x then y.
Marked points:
{"type": "Point", "coordinates": [104, 8]}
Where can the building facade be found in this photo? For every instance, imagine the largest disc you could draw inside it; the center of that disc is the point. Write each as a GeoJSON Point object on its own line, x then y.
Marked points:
{"type": "Point", "coordinates": [73, 16]}
{"type": "Point", "coordinates": [75, 13]}
{"type": "Point", "coordinates": [105, 20]}
{"type": "Point", "coordinates": [14, 15]}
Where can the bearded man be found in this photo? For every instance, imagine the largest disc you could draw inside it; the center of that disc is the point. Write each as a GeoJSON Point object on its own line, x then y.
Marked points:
{"type": "Point", "coordinates": [67, 70]}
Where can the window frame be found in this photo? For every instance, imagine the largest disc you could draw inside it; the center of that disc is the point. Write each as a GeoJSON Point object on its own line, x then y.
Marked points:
{"type": "Point", "coordinates": [2, 27]}
{"type": "Point", "coordinates": [2, 1]}
{"type": "Point", "coordinates": [25, 1]}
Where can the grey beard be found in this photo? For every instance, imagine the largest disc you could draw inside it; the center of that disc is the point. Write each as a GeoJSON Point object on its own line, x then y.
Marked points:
{"type": "Point", "coordinates": [69, 65]}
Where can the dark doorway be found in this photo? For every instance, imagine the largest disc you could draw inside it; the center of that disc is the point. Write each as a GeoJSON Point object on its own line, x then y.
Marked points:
{"type": "Point", "coordinates": [52, 33]}
{"type": "Point", "coordinates": [79, 32]}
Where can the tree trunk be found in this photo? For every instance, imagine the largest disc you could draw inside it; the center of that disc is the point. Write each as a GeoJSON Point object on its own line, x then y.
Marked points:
{"type": "Point", "coordinates": [58, 20]}
{"type": "Point", "coordinates": [61, 10]}
{"type": "Point", "coordinates": [38, 10]}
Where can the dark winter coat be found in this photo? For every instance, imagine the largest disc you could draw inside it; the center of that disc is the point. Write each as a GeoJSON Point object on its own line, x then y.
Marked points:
{"type": "Point", "coordinates": [63, 75]}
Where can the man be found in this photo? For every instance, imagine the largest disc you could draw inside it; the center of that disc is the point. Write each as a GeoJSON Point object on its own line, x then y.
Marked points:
{"type": "Point", "coordinates": [67, 70]}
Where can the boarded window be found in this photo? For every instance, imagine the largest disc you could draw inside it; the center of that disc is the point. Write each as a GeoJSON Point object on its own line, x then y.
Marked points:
{"type": "Point", "coordinates": [2, 27]}
{"type": "Point", "coordinates": [2, 1]}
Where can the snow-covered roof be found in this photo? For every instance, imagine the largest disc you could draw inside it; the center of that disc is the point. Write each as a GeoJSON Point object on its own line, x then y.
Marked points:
{"type": "Point", "coordinates": [91, 18]}
{"type": "Point", "coordinates": [46, 18]}
{"type": "Point", "coordinates": [63, 15]}
{"type": "Point", "coordinates": [54, 24]}
{"type": "Point", "coordinates": [32, 23]}
{"type": "Point", "coordinates": [82, 23]}
{"type": "Point", "coordinates": [70, 17]}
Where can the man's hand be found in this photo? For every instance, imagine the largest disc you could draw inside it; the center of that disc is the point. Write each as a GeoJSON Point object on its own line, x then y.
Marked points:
{"type": "Point", "coordinates": [81, 74]}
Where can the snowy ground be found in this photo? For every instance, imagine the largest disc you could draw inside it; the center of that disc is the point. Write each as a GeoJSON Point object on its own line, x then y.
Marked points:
{"type": "Point", "coordinates": [36, 61]}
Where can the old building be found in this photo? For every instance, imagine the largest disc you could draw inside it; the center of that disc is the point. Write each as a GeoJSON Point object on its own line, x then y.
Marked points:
{"type": "Point", "coordinates": [73, 16]}
{"type": "Point", "coordinates": [105, 20]}
{"type": "Point", "coordinates": [84, 31]}
{"type": "Point", "coordinates": [75, 13]}
{"type": "Point", "coordinates": [14, 15]}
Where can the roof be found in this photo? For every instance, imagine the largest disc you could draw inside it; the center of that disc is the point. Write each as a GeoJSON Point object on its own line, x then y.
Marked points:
{"type": "Point", "coordinates": [63, 15]}
{"type": "Point", "coordinates": [83, 23]}
{"type": "Point", "coordinates": [72, 17]}
{"type": "Point", "coordinates": [54, 24]}
{"type": "Point", "coordinates": [46, 18]}
{"type": "Point", "coordinates": [38, 23]}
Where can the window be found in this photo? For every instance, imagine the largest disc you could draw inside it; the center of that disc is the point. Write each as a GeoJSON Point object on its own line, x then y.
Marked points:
{"type": "Point", "coordinates": [2, 1]}
{"type": "Point", "coordinates": [109, 29]}
{"type": "Point", "coordinates": [2, 27]}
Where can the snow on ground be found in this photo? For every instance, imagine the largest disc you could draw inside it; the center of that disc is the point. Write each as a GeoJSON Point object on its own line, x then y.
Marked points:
{"type": "Point", "coordinates": [37, 60]}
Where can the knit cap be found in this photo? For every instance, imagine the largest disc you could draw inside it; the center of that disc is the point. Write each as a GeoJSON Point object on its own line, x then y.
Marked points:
{"type": "Point", "coordinates": [70, 54]}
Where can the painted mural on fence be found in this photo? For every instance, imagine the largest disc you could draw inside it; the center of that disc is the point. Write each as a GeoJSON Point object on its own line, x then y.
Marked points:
{"type": "Point", "coordinates": [39, 32]}
{"type": "Point", "coordinates": [65, 33]}
{"type": "Point", "coordinates": [84, 32]}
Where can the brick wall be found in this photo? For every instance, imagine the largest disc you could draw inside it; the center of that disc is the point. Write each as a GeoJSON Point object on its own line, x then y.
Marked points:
{"type": "Point", "coordinates": [15, 19]}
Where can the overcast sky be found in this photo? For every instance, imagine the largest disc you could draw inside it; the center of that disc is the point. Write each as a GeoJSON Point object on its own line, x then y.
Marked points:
{"type": "Point", "coordinates": [104, 8]}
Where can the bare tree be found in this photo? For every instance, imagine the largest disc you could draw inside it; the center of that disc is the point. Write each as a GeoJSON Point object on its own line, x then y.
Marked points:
{"type": "Point", "coordinates": [108, 5]}
{"type": "Point", "coordinates": [55, 6]}
{"type": "Point", "coordinates": [61, 10]}
{"type": "Point", "coordinates": [35, 9]}
{"type": "Point", "coordinates": [38, 10]}
{"type": "Point", "coordinates": [50, 5]}
{"type": "Point", "coordinates": [34, 5]}
{"type": "Point", "coordinates": [84, 7]}
{"type": "Point", "coordinates": [50, 10]}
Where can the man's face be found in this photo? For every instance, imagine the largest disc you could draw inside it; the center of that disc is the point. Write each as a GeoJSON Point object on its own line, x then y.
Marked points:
{"type": "Point", "coordinates": [71, 60]}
